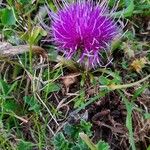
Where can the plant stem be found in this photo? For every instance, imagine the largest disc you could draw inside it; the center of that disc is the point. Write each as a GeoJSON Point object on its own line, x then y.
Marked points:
{"type": "Point", "coordinates": [30, 43]}
{"type": "Point", "coordinates": [129, 123]}
{"type": "Point", "coordinates": [88, 141]}
{"type": "Point", "coordinates": [114, 87]}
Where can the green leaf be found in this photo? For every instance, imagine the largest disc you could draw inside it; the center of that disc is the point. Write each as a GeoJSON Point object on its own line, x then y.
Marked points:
{"type": "Point", "coordinates": [115, 44]}
{"type": "Point", "coordinates": [32, 102]}
{"type": "Point", "coordinates": [4, 87]}
{"type": "Point", "coordinates": [88, 141]}
{"type": "Point", "coordinates": [52, 87]}
{"type": "Point", "coordinates": [73, 131]}
{"type": "Point", "coordinates": [60, 142]}
{"type": "Point", "coordinates": [128, 11]}
{"type": "Point", "coordinates": [8, 16]}
{"type": "Point", "coordinates": [80, 100]}
{"type": "Point", "coordinates": [80, 145]}
{"type": "Point", "coordinates": [138, 92]}
{"type": "Point", "coordinates": [103, 80]}
{"type": "Point", "coordinates": [77, 147]}
{"type": "Point", "coordinates": [53, 53]}
{"type": "Point", "coordinates": [147, 115]}
{"type": "Point", "coordinates": [148, 148]}
{"type": "Point", "coordinates": [25, 2]}
{"type": "Point", "coordinates": [23, 145]}
{"type": "Point", "coordinates": [129, 124]}
{"type": "Point", "coordinates": [36, 34]}
{"type": "Point", "coordinates": [86, 127]}
{"type": "Point", "coordinates": [70, 130]}
{"type": "Point", "coordinates": [101, 145]}
{"type": "Point", "coordinates": [11, 88]}
{"type": "Point", "coordinates": [10, 105]}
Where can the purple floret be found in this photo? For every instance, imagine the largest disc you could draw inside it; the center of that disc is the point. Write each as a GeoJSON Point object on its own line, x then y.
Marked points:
{"type": "Point", "coordinates": [84, 30]}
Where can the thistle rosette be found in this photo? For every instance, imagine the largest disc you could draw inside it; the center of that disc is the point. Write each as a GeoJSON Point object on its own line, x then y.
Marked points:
{"type": "Point", "coordinates": [83, 29]}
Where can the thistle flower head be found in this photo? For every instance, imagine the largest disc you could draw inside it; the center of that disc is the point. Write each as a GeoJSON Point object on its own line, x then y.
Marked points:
{"type": "Point", "coordinates": [83, 29]}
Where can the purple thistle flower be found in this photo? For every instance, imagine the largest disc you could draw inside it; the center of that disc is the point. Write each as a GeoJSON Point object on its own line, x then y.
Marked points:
{"type": "Point", "coordinates": [84, 30]}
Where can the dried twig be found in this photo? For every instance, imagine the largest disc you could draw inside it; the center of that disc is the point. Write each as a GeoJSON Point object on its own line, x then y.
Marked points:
{"type": "Point", "coordinates": [7, 50]}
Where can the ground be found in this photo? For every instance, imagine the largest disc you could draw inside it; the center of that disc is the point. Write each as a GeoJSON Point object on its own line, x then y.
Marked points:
{"type": "Point", "coordinates": [48, 102]}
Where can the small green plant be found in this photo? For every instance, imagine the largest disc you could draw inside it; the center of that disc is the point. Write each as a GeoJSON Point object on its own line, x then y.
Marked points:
{"type": "Point", "coordinates": [101, 145]}
{"type": "Point", "coordinates": [76, 137]}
